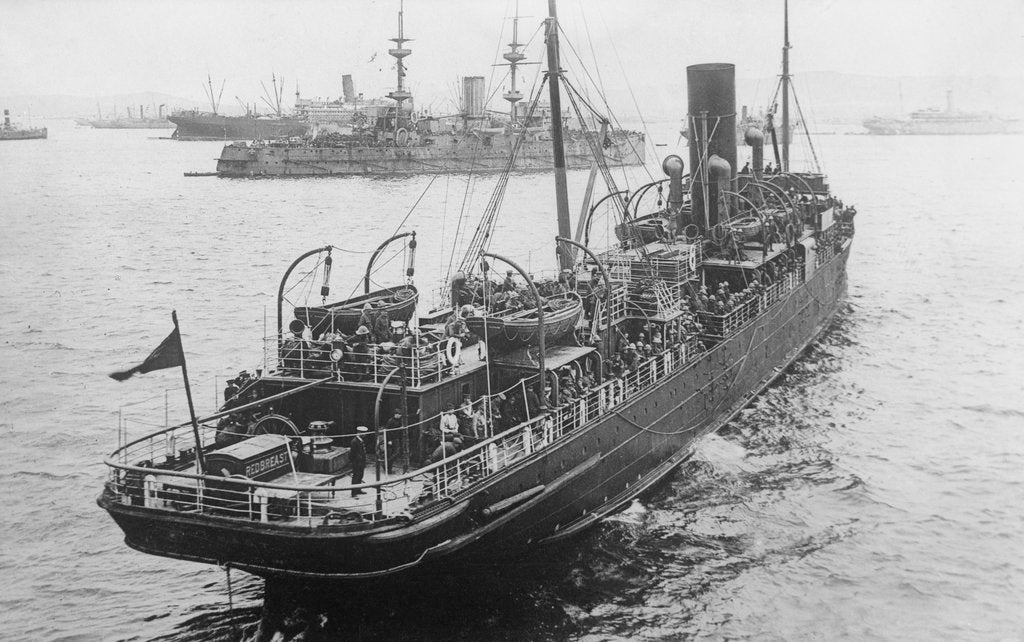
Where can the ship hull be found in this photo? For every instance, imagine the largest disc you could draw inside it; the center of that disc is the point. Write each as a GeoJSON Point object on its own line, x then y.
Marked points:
{"type": "Point", "coordinates": [883, 127]}
{"type": "Point", "coordinates": [148, 123]}
{"type": "Point", "coordinates": [199, 126]}
{"type": "Point", "coordinates": [23, 134]}
{"type": "Point", "coordinates": [590, 474]}
{"type": "Point", "coordinates": [242, 161]}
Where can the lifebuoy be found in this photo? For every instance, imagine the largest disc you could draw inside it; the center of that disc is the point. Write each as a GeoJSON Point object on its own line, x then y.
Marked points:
{"type": "Point", "coordinates": [692, 259]}
{"type": "Point", "coordinates": [402, 137]}
{"type": "Point", "coordinates": [453, 351]}
{"type": "Point", "coordinates": [719, 234]}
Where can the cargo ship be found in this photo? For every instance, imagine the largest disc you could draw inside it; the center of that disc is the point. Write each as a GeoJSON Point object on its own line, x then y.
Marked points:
{"type": "Point", "coordinates": [135, 120]}
{"type": "Point", "coordinates": [395, 139]}
{"type": "Point", "coordinates": [16, 132]}
{"type": "Point", "coordinates": [194, 124]}
{"type": "Point", "coordinates": [935, 122]}
{"type": "Point", "coordinates": [607, 374]}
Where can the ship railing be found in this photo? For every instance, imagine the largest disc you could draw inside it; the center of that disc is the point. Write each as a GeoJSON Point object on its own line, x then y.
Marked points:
{"type": "Point", "coordinates": [427, 363]}
{"type": "Point", "coordinates": [154, 481]}
{"type": "Point", "coordinates": [720, 326]}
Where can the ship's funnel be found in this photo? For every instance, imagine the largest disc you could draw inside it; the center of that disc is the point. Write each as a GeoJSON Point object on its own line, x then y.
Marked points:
{"type": "Point", "coordinates": [348, 88]}
{"type": "Point", "coordinates": [711, 93]}
{"type": "Point", "coordinates": [473, 96]}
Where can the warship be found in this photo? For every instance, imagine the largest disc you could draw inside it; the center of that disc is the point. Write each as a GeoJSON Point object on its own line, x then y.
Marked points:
{"type": "Point", "coordinates": [135, 120]}
{"type": "Point", "coordinates": [935, 122]}
{"type": "Point", "coordinates": [15, 132]}
{"type": "Point", "coordinates": [475, 448]}
{"type": "Point", "coordinates": [194, 124]}
{"type": "Point", "coordinates": [398, 139]}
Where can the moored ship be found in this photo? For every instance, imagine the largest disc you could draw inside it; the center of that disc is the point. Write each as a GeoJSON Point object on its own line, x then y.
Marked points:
{"type": "Point", "coordinates": [10, 131]}
{"type": "Point", "coordinates": [936, 122]}
{"type": "Point", "coordinates": [559, 427]}
{"type": "Point", "coordinates": [398, 140]}
{"type": "Point", "coordinates": [134, 120]}
{"type": "Point", "coordinates": [194, 124]}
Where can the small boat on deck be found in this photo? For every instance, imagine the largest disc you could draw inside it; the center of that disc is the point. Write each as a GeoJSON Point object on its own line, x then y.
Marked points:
{"type": "Point", "coordinates": [398, 302]}
{"type": "Point", "coordinates": [519, 328]}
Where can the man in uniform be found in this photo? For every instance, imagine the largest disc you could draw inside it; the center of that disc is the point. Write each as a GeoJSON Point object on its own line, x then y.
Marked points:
{"type": "Point", "coordinates": [357, 457]}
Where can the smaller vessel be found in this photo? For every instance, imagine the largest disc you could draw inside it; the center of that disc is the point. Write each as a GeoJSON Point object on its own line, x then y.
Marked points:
{"type": "Point", "coordinates": [15, 132]}
{"type": "Point", "coordinates": [135, 120]}
{"type": "Point", "coordinates": [935, 122]}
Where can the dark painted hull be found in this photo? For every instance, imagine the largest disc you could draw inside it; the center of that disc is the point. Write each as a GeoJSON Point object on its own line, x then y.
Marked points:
{"type": "Point", "coordinates": [593, 472]}
{"type": "Point", "coordinates": [201, 126]}
{"type": "Point", "coordinates": [22, 134]}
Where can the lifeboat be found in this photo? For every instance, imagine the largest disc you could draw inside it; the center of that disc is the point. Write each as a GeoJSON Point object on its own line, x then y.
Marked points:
{"type": "Point", "coordinates": [398, 302]}
{"type": "Point", "coordinates": [507, 330]}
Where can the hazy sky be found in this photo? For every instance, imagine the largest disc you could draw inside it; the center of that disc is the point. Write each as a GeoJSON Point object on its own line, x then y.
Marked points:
{"type": "Point", "coordinates": [102, 47]}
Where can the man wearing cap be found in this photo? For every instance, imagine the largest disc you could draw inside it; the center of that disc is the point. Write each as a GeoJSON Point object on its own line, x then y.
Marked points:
{"type": "Point", "coordinates": [361, 351]}
{"type": "Point", "coordinates": [357, 457]}
{"type": "Point", "coordinates": [389, 437]}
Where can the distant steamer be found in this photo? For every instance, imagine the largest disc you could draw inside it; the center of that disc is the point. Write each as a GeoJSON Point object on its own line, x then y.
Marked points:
{"type": "Point", "coordinates": [210, 125]}
{"type": "Point", "coordinates": [14, 132]}
{"type": "Point", "coordinates": [935, 122]}
{"type": "Point", "coordinates": [133, 121]}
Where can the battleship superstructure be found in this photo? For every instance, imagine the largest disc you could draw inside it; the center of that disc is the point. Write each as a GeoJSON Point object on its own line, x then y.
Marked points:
{"type": "Point", "coordinates": [397, 139]}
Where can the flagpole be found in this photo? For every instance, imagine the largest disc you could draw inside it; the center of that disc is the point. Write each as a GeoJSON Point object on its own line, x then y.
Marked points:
{"type": "Point", "coordinates": [188, 394]}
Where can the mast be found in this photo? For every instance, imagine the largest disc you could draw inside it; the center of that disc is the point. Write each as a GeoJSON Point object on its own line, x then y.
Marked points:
{"type": "Point", "coordinates": [785, 89]}
{"type": "Point", "coordinates": [565, 258]}
{"type": "Point", "coordinates": [400, 94]}
{"type": "Point", "coordinates": [514, 57]}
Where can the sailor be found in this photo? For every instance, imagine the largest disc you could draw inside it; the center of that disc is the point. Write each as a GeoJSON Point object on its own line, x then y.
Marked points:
{"type": "Point", "coordinates": [449, 424]}
{"type": "Point", "coordinates": [629, 357]}
{"type": "Point", "coordinates": [510, 284]}
{"type": "Point", "coordinates": [357, 457]}
{"type": "Point", "coordinates": [381, 327]}
{"type": "Point", "coordinates": [368, 317]}
{"type": "Point", "coordinates": [532, 402]}
{"type": "Point", "coordinates": [361, 350]}
{"type": "Point", "coordinates": [768, 169]}
{"type": "Point", "coordinates": [387, 437]}
{"type": "Point", "coordinates": [746, 168]}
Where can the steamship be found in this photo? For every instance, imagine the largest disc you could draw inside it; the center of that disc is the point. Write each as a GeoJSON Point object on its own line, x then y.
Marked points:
{"type": "Point", "coordinates": [935, 122]}
{"type": "Point", "coordinates": [134, 120]}
{"type": "Point", "coordinates": [194, 124]}
{"type": "Point", "coordinates": [399, 140]}
{"type": "Point", "coordinates": [745, 272]}
{"type": "Point", "coordinates": [16, 132]}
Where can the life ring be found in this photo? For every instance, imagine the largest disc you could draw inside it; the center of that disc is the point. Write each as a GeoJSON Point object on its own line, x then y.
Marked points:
{"type": "Point", "coordinates": [453, 351]}
{"type": "Point", "coordinates": [692, 259]}
{"type": "Point", "coordinates": [719, 234]}
{"type": "Point", "coordinates": [402, 137]}
{"type": "Point", "coordinates": [790, 234]}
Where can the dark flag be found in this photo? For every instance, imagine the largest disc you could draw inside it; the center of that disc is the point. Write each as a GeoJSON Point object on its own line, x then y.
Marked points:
{"type": "Point", "coordinates": [167, 355]}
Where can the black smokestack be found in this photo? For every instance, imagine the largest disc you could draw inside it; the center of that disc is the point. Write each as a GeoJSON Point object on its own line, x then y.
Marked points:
{"type": "Point", "coordinates": [348, 88]}
{"type": "Point", "coordinates": [711, 93]}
